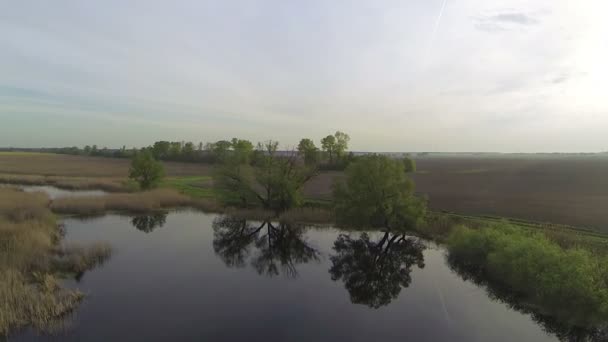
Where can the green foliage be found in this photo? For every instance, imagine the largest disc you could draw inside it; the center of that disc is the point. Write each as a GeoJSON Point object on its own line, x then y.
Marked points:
{"type": "Point", "coordinates": [160, 149]}
{"type": "Point", "coordinates": [329, 146]}
{"type": "Point", "coordinates": [378, 193]}
{"type": "Point", "coordinates": [334, 147]}
{"type": "Point", "coordinates": [269, 180]}
{"type": "Point", "coordinates": [309, 151]}
{"type": "Point", "coordinates": [146, 170]}
{"type": "Point", "coordinates": [409, 165]}
{"type": "Point", "coordinates": [242, 151]}
{"type": "Point", "coordinates": [571, 284]}
{"type": "Point", "coordinates": [341, 146]}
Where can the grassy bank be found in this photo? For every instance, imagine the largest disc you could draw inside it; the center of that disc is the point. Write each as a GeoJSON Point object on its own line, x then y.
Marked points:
{"type": "Point", "coordinates": [193, 186]}
{"type": "Point", "coordinates": [32, 260]}
{"type": "Point", "coordinates": [569, 283]}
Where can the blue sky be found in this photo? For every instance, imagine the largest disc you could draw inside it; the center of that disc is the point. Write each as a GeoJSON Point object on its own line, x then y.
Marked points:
{"type": "Point", "coordinates": [433, 75]}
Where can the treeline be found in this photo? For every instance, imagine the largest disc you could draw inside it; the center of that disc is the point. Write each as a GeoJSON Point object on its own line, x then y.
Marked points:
{"type": "Point", "coordinates": [332, 153]}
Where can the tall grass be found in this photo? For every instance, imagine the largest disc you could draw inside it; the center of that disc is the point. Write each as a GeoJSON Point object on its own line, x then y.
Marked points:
{"type": "Point", "coordinates": [68, 183]}
{"type": "Point", "coordinates": [31, 257]}
{"type": "Point", "coordinates": [568, 283]}
{"type": "Point", "coordinates": [135, 202]}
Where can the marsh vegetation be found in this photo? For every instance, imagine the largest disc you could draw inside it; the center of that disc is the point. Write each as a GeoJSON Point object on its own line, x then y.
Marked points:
{"type": "Point", "coordinates": [32, 260]}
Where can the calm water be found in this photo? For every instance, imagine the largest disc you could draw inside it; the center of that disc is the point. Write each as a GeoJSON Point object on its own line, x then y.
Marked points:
{"type": "Point", "coordinates": [189, 276]}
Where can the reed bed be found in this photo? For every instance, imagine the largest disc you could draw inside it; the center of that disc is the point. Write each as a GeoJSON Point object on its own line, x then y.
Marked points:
{"type": "Point", "coordinates": [134, 202]}
{"type": "Point", "coordinates": [32, 258]}
{"type": "Point", "coordinates": [68, 183]}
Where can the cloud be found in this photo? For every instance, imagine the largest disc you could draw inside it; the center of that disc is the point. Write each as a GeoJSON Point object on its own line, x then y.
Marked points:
{"type": "Point", "coordinates": [504, 21]}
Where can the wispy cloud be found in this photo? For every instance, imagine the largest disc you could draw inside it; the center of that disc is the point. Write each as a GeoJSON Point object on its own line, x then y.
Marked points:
{"type": "Point", "coordinates": [506, 20]}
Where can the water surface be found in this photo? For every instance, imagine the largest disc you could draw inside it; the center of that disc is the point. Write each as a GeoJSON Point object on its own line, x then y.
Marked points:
{"type": "Point", "coordinates": [189, 276]}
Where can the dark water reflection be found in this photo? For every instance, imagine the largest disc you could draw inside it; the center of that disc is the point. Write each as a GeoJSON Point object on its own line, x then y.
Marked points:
{"type": "Point", "coordinates": [211, 278]}
{"type": "Point", "coordinates": [269, 248]}
{"type": "Point", "coordinates": [147, 223]}
{"type": "Point", "coordinates": [374, 272]}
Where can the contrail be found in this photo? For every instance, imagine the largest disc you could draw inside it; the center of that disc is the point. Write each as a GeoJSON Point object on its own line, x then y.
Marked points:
{"type": "Point", "coordinates": [434, 33]}
{"type": "Point", "coordinates": [438, 21]}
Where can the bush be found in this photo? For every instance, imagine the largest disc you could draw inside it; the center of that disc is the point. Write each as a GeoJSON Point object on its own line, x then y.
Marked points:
{"type": "Point", "coordinates": [146, 170]}
{"type": "Point", "coordinates": [571, 284]}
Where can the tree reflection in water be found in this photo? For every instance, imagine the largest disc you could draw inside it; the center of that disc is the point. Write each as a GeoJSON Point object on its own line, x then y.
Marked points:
{"type": "Point", "coordinates": [270, 248]}
{"type": "Point", "coordinates": [550, 322]}
{"type": "Point", "coordinates": [374, 272]}
{"type": "Point", "coordinates": [147, 223]}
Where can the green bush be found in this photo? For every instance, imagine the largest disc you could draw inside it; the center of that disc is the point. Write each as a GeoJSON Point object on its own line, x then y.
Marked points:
{"type": "Point", "coordinates": [569, 283]}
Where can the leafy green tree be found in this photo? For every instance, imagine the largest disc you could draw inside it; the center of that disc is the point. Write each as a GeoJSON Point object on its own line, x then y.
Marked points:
{"type": "Point", "coordinates": [378, 193]}
{"type": "Point", "coordinates": [271, 181]}
{"type": "Point", "coordinates": [308, 150]}
{"type": "Point", "coordinates": [188, 151]}
{"type": "Point", "coordinates": [146, 170]}
{"type": "Point", "coordinates": [341, 144]}
{"type": "Point", "coordinates": [409, 165]}
{"type": "Point", "coordinates": [175, 149]}
{"type": "Point", "coordinates": [160, 149]}
{"type": "Point", "coordinates": [328, 144]}
{"type": "Point", "coordinates": [220, 149]}
{"type": "Point", "coordinates": [87, 150]}
{"type": "Point", "coordinates": [242, 150]}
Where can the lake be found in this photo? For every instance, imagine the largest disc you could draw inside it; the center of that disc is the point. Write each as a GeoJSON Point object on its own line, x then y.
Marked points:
{"type": "Point", "coordinates": [191, 276]}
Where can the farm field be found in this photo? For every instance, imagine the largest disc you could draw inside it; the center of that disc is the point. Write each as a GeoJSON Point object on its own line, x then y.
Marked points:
{"type": "Point", "coordinates": [571, 190]}
{"type": "Point", "coordinates": [82, 166]}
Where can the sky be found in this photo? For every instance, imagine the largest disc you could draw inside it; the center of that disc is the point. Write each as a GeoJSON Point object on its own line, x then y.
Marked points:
{"type": "Point", "coordinates": [427, 75]}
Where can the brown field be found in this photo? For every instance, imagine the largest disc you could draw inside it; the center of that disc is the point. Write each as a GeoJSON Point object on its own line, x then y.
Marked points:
{"type": "Point", "coordinates": [570, 190]}
{"type": "Point", "coordinates": [48, 164]}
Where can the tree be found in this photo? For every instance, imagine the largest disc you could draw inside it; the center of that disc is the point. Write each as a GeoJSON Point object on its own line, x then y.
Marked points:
{"type": "Point", "coordinates": [160, 149]}
{"type": "Point", "coordinates": [374, 272]}
{"type": "Point", "coordinates": [242, 150]}
{"type": "Point", "coordinates": [378, 193]}
{"type": "Point", "coordinates": [146, 170]}
{"type": "Point", "coordinates": [271, 181]}
{"type": "Point", "coordinates": [188, 151]}
{"type": "Point", "coordinates": [341, 144]}
{"type": "Point", "coordinates": [308, 150]}
{"type": "Point", "coordinates": [329, 146]}
{"type": "Point", "coordinates": [175, 149]}
{"type": "Point", "coordinates": [409, 165]}
{"type": "Point", "coordinates": [220, 149]}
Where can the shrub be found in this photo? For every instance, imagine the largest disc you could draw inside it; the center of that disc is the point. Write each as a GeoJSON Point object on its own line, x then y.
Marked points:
{"type": "Point", "coordinates": [571, 284]}
{"type": "Point", "coordinates": [146, 170]}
